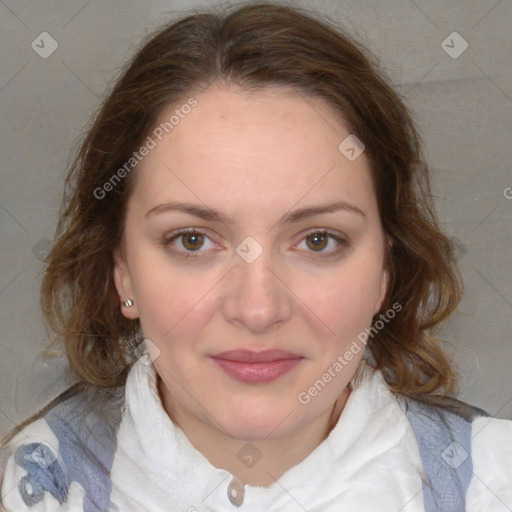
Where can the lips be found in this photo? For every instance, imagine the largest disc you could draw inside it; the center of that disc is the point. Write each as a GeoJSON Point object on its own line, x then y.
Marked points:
{"type": "Point", "coordinates": [248, 356]}
{"type": "Point", "coordinates": [256, 367]}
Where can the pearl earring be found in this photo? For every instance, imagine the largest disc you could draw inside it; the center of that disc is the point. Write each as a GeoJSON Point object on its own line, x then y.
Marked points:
{"type": "Point", "coordinates": [128, 303]}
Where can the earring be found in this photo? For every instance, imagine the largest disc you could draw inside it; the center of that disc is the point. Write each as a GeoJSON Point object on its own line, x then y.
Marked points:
{"type": "Point", "coordinates": [128, 303]}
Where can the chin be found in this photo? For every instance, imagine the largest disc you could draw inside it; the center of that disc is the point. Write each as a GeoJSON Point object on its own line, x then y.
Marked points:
{"type": "Point", "coordinates": [251, 426]}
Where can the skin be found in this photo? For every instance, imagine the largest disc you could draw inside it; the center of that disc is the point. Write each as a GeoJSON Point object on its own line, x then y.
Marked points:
{"type": "Point", "coordinates": [253, 156]}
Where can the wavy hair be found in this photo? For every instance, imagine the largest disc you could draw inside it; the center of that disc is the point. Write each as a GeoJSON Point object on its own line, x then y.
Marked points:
{"type": "Point", "coordinates": [253, 46]}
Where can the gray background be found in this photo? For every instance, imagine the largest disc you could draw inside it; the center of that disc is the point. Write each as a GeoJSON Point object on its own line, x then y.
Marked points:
{"type": "Point", "coordinates": [463, 106]}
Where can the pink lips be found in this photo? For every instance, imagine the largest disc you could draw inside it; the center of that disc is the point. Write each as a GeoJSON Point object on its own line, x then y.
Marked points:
{"type": "Point", "coordinates": [256, 367]}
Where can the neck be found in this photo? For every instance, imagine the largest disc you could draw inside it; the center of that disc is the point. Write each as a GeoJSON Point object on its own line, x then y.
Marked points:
{"type": "Point", "coordinates": [277, 455]}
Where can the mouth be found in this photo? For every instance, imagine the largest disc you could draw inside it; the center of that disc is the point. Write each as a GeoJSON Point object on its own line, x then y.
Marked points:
{"type": "Point", "coordinates": [256, 367]}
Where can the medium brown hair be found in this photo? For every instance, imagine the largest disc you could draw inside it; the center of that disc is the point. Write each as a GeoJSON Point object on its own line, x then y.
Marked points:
{"type": "Point", "coordinates": [254, 46]}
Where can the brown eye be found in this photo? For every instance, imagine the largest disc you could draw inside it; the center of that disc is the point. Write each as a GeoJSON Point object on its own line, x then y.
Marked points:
{"type": "Point", "coordinates": [189, 243]}
{"type": "Point", "coordinates": [192, 241]}
{"type": "Point", "coordinates": [318, 241]}
{"type": "Point", "coordinates": [324, 244]}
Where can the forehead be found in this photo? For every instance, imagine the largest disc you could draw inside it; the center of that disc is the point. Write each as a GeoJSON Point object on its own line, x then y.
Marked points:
{"type": "Point", "coordinates": [236, 150]}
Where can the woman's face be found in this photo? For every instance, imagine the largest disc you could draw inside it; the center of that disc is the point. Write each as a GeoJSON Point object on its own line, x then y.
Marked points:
{"type": "Point", "coordinates": [252, 277]}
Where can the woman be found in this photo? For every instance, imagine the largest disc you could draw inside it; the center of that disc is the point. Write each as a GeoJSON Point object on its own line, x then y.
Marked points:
{"type": "Point", "coordinates": [247, 279]}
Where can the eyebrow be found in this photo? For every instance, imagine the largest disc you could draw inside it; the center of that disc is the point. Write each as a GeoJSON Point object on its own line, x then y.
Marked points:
{"type": "Point", "coordinates": [288, 218]}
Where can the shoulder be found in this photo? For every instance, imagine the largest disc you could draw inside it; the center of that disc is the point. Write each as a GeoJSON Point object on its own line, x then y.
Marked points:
{"type": "Point", "coordinates": [463, 447]}
{"type": "Point", "coordinates": [65, 455]}
{"type": "Point", "coordinates": [491, 486]}
{"type": "Point", "coordinates": [34, 471]}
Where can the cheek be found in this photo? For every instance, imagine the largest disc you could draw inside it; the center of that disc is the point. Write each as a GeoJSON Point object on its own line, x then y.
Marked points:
{"type": "Point", "coordinates": [172, 303]}
{"type": "Point", "coordinates": [343, 303]}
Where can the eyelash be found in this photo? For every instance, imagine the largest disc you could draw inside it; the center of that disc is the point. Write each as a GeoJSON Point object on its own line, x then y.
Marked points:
{"type": "Point", "coordinates": [344, 244]}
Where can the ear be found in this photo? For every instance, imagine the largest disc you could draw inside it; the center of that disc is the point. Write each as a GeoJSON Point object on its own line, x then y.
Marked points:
{"type": "Point", "coordinates": [384, 282]}
{"type": "Point", "coordinates": [124, 287]}
{"type": "Point", "coordinates": [383, 290]}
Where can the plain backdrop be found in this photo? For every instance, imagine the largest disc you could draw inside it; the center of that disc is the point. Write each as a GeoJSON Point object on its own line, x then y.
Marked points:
{"type": "Point", "coordinates": [462, 101]}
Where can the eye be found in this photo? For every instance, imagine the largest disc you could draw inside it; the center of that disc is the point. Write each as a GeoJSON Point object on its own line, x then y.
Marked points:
{"type": "Point", "coordinates": [190, 239]}
{"type": "Point", "coordinates": [319, 239]}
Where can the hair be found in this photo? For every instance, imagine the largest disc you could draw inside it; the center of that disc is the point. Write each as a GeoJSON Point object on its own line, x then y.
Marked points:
{"type": "Point", "coordinates": [253, 47]}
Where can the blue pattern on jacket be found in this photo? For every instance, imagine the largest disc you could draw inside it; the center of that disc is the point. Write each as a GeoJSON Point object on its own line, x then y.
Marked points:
{"type": "Point", "coordinates": [44, 474]}
{"type": "Point", "coordinates": [87, 443]}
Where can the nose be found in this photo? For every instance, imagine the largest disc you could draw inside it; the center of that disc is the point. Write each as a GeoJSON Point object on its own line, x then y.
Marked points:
{"type": "Point", "coordinates": [256, 296]}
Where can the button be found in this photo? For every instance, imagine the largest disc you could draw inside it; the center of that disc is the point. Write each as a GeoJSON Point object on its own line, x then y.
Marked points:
{"type": "Point", "coordinates": [236, 492]}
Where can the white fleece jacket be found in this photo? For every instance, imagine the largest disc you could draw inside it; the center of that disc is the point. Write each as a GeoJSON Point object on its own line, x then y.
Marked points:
{"type": "Point", "coordinates": [369, 462]}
